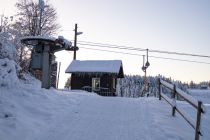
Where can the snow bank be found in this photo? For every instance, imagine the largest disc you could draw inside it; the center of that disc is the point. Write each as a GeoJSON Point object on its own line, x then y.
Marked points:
{"type": "Point", "coordinates": [7, 48]}
{"type": "Point", "coordinates": [8, 73]}
{"type": "Point", "coordinates": [29, 112]}
{"type": "Point", "coordinates": [8, 58]}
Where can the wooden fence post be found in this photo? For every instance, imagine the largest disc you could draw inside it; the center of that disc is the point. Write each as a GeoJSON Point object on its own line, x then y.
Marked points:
{"type": "Point", "coordinates": [198, 121]}
{"type": "Point", "coordinates": [159, 88]}
{"type": "Point", "coordinates": [174, 100]}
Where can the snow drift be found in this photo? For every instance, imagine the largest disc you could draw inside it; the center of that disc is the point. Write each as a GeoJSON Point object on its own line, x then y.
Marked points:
{"type": "Point", "coordinates": [8, 73]}
{"type": "Point", "coordinates": [8, 66]}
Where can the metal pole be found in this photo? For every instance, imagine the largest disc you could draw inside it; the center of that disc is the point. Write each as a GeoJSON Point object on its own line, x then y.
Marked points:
{"type": "Point", "coordinates": [41, 6]}
{"type": "Point", "coordinates": [40, 21]}
{"type": "Point", "coordinates": [46, 67]}
{"type": "Point", "coordinates": [58, 74]}
{"type": "Point", "coordinates": [145, 79]}
{"type": "Point", "coordinates": [145, 74]}
{"type": "Point", "coordinates": [75, 42]}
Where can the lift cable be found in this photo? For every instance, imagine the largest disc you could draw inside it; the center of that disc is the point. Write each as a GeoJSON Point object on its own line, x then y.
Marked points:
{"type": "Point", "coordinates": [138, 49]}
{"type": "Point", "coordinates": [185, 60]}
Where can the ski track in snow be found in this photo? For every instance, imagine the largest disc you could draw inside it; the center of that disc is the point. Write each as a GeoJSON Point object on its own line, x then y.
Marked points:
{"type": "Point", "coordinates": [108, 118]}
{"type": "Point", "coordinates": [103, 117]}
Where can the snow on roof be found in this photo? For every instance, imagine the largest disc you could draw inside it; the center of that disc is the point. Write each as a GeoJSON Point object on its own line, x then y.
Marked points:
{"type": "Point", "coordinates": [39, 37]}
{"type": "Point", "coordinates": [100, 66]}
{"type": "Point", "coordinates": [32, 40]}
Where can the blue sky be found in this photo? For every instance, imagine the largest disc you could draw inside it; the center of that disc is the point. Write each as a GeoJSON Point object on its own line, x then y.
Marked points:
{"type": "Point", "coordinates": [170, 25]}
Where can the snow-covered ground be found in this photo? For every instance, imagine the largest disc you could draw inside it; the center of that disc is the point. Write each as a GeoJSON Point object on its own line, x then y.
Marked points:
{"type": "Point", "coordinates": [201, 94]}
{"type": "Point", "coordinates": [28, 112]}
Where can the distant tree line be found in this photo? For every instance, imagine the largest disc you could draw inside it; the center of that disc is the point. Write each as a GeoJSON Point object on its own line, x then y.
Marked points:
{"type": "Point", "coordinates": [133, 85]}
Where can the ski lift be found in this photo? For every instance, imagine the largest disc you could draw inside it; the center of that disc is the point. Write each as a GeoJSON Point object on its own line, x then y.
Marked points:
{"type": "Point", "coordinates": [43, 49]}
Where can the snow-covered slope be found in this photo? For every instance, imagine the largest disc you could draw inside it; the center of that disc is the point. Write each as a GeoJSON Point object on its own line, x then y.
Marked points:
{"type": "Point", "coordinates": [28, 112]}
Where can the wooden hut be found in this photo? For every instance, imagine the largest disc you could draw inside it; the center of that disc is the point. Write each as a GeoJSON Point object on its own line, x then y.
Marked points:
{"type": "Point", "coordinates": [98, 76]}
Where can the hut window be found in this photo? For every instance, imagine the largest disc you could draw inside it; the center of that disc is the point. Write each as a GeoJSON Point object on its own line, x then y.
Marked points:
{"type": "Point", "coordinates": [96, 84]}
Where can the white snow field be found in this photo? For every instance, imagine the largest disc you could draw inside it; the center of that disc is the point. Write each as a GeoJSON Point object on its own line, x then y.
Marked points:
{"type": "Point", "coordinates": [28, 112]}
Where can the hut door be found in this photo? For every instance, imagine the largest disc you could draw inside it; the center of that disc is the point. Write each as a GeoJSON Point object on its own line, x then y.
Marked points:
{"type": "Point", "coordinates": [96, 84]}
{"type": "Point", "coordinates": [113, 83]}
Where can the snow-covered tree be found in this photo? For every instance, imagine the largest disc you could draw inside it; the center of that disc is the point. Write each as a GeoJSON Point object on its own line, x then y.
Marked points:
{"type": "Point", "coordinates": [68, 83]}
{"type": "Point", "coordinates": [133, 85]}
{"type": "Point", "coordinates": [29, 18]}
{"type": "Point", "coordinates": [26, 23]}
{"type": "Point", "coordinates": [7, 47]}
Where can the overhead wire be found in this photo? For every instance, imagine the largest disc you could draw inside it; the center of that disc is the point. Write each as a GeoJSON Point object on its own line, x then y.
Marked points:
{"type": "Point", "coordinates": [113, 46]}
{"type": "Point", "coordinates": [178, 53]}
{"type": "Point", "coordinates": [138, 49]}
{"type": "Point", "coordinates": [112, 51]}
{"type": "Point", "coordinates": [185, 60]}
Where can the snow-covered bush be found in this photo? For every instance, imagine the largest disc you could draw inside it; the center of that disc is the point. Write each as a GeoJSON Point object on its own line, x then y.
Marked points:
{"type": "Point", "coordinates": [8, 73]}
{"type": "Point", "coordinates": [8, 58]}
{"type": "Point", "coordinates": [7, 48]}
